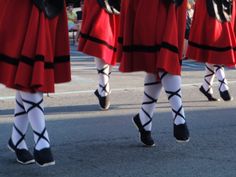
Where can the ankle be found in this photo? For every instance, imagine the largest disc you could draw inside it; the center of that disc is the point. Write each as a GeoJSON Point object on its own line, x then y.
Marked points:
{"type": "Point", "coordinates": [41, 145]}
{"type": "Point", "coordinates": [179, 120]}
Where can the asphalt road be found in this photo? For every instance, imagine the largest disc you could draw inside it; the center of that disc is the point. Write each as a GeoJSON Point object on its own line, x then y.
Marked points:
{"type": "Point", "coordinates": [88, 142]}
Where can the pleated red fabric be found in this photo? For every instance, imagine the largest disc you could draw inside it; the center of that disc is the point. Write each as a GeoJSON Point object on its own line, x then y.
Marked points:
{"type": "Point", "coordinates": [99, 32]}
{"type": "Point", "coordinates": [210, 40]}
{"type": "Point", "coordinates": [151, 36]}
{"type": "Point", "coordinates": [34, 51]}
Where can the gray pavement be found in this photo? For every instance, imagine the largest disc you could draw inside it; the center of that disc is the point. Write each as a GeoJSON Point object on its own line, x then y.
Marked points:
{"type": "Point", "coordinates": [87, 142]}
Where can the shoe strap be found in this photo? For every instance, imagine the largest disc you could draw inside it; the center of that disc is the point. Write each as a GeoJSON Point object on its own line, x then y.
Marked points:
{"type": "Point", "coordinates": [152, 100]}
{"type": "Point", "coordinates": [208, 75]}
{"type": "Point", "coordinates": [149, 117]}
{"type": "Point", "coordinates": [178, 113]}
{"type": "Point", "coordinates": [34, 105]}
{"type": "Point", "coordinates": [102, 71]}
{"type": "Point", "coordinates": [104, 88]}
{"type": "Point", "coordinates": [22, 107]}
{"type": "Point", "coordinates": [222, 82]}
{"type": "Point", "coordinates": [173, 93]}
{"type": "Point", "coordinates": [41, 136]}
{"type": "Point", "coordinates": [21, 135]}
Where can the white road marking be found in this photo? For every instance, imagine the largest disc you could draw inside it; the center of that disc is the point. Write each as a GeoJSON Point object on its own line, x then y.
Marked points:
{"type": "Point", "coordinates": [75, 68]}
{"type": "Point", "coordinates": [113, 90]}
{"type": "Point", "coordinates": [81, 57]}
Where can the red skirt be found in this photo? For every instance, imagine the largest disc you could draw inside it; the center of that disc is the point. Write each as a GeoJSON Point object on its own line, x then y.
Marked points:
{"type": "Point", "coordinates": [99, 32]}
{"type": "Point", "coordinates": [210, 40]}
{"type": "Point", "coordinates": [151, 36]}
{"type": "Point", "coordinates": [34, 51]}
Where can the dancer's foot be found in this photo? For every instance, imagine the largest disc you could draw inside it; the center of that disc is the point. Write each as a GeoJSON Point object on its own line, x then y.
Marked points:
{"type": "Point", "coordinates": [208, 95]}
{"type": "Point", "coordinates": [145, 136]}
{"type": "Point", "coordinates": [181, 133]}
{"type": "Point", "coordinates": [225, 95]}
{"type": "Point", "coordinates": [104, 101]}
{"type": "Point", "coordinates": [23, 156]}
{"type": "Point", "coordinates": [44, 157]}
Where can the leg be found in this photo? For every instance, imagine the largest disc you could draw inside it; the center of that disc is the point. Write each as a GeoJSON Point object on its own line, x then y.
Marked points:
{"type": "Point", "coordinates": [143, 120]}
{"type": "Point", "coordinates": [33, 103]}
{"type": "Point", "coordinates": [185, 48]}
{"type": "Point", "coordinates": [17, 142]}
{"type": "Point", "coordinates": [206, 88]}
{"type": "Point", "coordinates": [171, 84]}
{"type": "Point", "coordinates": [223, 88]}
{"type": "Point", "coordinates": [103, 91]}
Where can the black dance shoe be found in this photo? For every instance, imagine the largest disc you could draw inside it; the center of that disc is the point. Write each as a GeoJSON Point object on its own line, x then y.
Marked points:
{"type": "Point", "coordinates": [23, 156]}
{"type": "Point", "coordinates": [104, 101]}
{"type": "Point", "coordinates": [181, 133]}
{"type": "Point", "coordinates": [145, 136]}
{"type": "Point", "coordinates": [225, 95]}
{"type": "Point", "coordinates": [208, 95]}
{"type": "Point", "coordinates": [44, 157]}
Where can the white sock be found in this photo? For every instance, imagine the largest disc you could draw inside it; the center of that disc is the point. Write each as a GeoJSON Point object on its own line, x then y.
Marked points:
{"type": "Point", "coordinates": [172, 86]}
{"type": "Point", "coordinates": [208, 78]}
{"type": "Point", "coordinates": [33, 103]}
{"type": "Point", "coordinates": [21, 123]}
{"type": "Point", "coordinates": [152, 90]}
{"type": "Point", "coordinates": [220, 74]}
{"type": "Point", "coordinates": [104, 71]}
